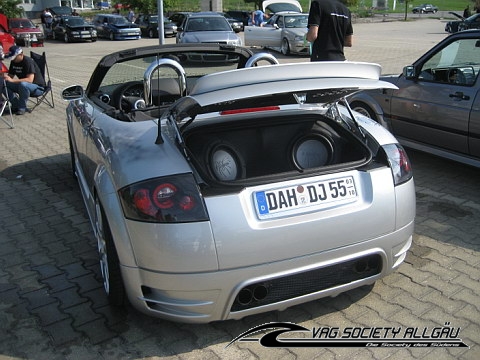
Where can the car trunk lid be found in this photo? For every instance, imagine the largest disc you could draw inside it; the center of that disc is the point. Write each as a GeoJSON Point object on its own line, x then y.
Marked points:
{"type": "Point", "coordinates": [276, 160]}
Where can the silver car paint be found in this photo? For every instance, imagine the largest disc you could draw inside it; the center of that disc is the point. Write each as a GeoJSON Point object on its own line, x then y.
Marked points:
{"type": "Point", "coordinates": [272, 37]}
{"type": "Point", "coordinates": [198, 268]}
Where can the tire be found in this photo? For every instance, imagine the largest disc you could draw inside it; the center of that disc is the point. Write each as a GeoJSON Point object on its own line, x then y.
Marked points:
{"type": "Point", "coordinates": [151, 34]}
{"type": "Point", "coordinates": [285, 48]}
{"type": "Point", "coordinates": [364, 109]}
{"type": "Point", "coordinates": [109, 262]}
{"type": "Point", "coordinates": [54, 37]}
{"type": "Point", "coordinates": [65, 38]}
{"type": "Point", "coordinates": [111, 36]}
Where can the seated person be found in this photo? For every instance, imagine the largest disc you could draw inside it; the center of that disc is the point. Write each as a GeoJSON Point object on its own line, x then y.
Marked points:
{"type": "Point", "coordinates": [3, 70]}
{"type": "Point", "coordinates": [24, 79]}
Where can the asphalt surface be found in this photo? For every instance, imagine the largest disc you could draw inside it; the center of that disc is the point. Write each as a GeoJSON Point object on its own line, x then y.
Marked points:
{"type": "Point", "coordinates": [52, 304]}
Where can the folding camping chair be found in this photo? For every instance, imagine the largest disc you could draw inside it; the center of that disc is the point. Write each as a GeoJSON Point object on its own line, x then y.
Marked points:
{"type": "Point", "coordinates": [4, 103]}
{"type": "Point", "coordinates": [47, 96]}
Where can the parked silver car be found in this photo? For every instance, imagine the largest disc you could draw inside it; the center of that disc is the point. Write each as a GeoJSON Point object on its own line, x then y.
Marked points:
{"type": "Point", "coordinates": [436, 108]}
{"type": "Point", "coordinates": [284, 32]}
{"type": "Point", "coordinates": [229, 189]}
{"type": "Point", "coordinates": [207, 27]}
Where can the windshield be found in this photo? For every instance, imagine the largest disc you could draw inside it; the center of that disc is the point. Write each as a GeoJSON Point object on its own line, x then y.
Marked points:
{"type": "Point", "coordinates": [24, 23]}
{"type": "Point", "coordinates": [296, 21]}
{"type": "Point", "coordinates": [208, 24]}
{"type": "Point", "coordinates": [195, 63]}
{"type": "Point", "coordinates": [118, 21]}
{"type": "Point", "coordinates": [75, 21]}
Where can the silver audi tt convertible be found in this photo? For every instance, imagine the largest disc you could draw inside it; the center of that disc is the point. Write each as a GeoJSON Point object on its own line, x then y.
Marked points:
{"type": "Point", "coordinates": [222, 184]}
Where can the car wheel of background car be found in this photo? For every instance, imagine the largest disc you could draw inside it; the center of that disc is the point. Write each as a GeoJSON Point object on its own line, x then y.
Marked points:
{"type": "Point", "coordinates": [65, 38]}
{"type": "Point", "coordinates": [150, 34]}
{"type": "Point", "coordinates": [363, 109]}
{"type": "Point", "coordinates": [112, 37]}
{"type": "Point", "coordinates": [285, 48]}
{"type": "Point", "coordinates": [109, 262]}
{"type": "Point", "coordinates": [54, 37]}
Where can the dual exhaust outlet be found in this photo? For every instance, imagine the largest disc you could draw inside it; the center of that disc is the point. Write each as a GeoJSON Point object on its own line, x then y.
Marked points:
{"type": "Point", "coordinates": [256, 293]}
{"type": "Point", "coordinates": [252, 293]}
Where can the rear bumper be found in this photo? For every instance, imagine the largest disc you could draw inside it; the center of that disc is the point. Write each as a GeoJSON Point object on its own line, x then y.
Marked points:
{"type": "Point", "coordinates": [210, 296]}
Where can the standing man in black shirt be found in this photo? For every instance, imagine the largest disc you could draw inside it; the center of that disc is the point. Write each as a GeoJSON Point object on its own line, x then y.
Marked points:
{"type": "Point", "coordinates": [24, 79]}
{"type": "Point", "coordinates": [329, 30]}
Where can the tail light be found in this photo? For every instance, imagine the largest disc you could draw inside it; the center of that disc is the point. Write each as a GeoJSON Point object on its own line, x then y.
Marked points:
{"type": "Point", "coordinates": [171, 199]}
{"type": "Point", "coordinates": [399, 163]}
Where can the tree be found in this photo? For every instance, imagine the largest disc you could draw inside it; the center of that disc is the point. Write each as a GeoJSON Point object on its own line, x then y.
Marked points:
{"type": "Point", "coordinates": [11, 8]}
{"type": "Point", "coordinates": [258, 3]}
{"type": "Point", "coordinates": [150, 6]}
{"type": "Point", "coordinates": [406, 8]}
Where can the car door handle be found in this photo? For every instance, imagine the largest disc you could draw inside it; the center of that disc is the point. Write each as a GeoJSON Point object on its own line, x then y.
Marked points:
{"type": "Point", "coordinates": [460, 95]}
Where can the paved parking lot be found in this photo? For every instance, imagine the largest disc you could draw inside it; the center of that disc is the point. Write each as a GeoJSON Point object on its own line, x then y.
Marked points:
{"type": "Point", "coordinates": [52, 304]}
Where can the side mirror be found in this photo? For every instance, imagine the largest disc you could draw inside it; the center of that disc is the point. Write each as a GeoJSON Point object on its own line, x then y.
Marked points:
{"type": "Point", "coordinates": [409, 72]}
{"type": "Point", "coordinates": [180, 29]}
{"type": "Point", "coordinates": [74, 92]}
{"type": "Point", "coordinates": [276, 26]}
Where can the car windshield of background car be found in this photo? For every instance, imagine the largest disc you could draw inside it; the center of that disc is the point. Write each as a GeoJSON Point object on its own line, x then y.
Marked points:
{"type": "Point", "coordinates": [119, 21]}
{"type": "Point", "coordinates": [22, 24]}
{"type": "Point", "coordinates": [74, 21]}
{"type": "Point", "coordinates": [296, 21]}
{"type": "Point", "coordinates": [208, 24]}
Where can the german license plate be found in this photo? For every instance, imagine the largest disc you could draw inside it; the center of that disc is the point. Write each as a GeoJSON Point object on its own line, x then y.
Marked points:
{"type": "Point", "coordinates": [305, 197]}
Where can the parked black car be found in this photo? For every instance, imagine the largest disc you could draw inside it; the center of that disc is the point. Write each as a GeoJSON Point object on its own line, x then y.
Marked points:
{"type": "Point", "coordinates": [179, 17]}
{"type": "Point", "coordinates": [149, 26]}
{"type": "Point", "coordinates": [425, 8]}
{"type": "Point", "coordinates": [241, 15]}
{"type": "Point", "coordinates": [472, 22]}
{"type": "Point", "coordinates": [236, 25]}
{"type": "Point", "coordinates": [452, 26]}
{"type": "Point", "coordinates": [73, 28]}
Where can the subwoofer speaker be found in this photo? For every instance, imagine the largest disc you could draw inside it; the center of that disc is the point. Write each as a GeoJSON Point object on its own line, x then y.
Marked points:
{"type": "Point", "coordinates": [312, 151]}
{"type": "Point", "coordinates": [225, 162]}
